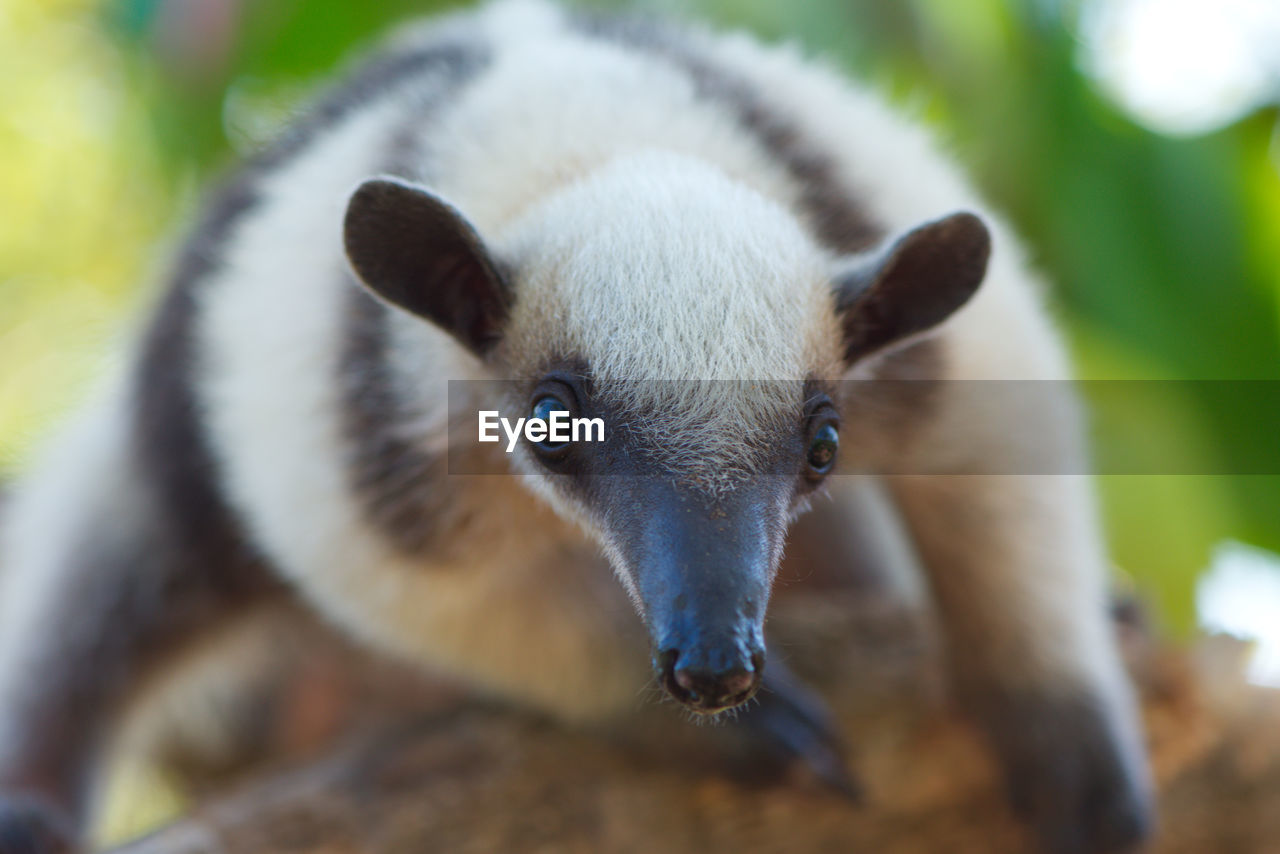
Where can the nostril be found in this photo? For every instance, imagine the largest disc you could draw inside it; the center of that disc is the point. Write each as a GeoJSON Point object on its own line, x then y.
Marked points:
{"type": "Point", "coordinates": [688, 680]}
{"type": "Point", "coordinates": [711, 691]}
{"type": "Point", "coordinates": [736, 683]}
{"type": "Point", "coordinates": [666, 667]}
{"type": "Point", "coordinates": [666, 661]}
{"type": "Point", "coordinates": [707, 689]}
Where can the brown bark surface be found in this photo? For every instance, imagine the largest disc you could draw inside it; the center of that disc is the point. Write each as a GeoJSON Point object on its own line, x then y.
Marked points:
{"type": "Point", "coordinates": [459, 775]}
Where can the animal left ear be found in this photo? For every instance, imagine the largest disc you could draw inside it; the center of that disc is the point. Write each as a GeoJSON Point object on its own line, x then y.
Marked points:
{"type": "Point", "coordinates": [913, 285]}
{"type": "Point", "coordinates": [418, 252]}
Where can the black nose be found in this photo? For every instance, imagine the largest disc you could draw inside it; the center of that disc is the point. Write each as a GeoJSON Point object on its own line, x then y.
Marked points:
{"type": "Point", "coordinates": [709, 685]}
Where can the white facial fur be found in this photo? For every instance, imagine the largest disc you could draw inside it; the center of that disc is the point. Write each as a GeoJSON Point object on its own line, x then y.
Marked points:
{"type": "Point", "coordinates": [639, 268]}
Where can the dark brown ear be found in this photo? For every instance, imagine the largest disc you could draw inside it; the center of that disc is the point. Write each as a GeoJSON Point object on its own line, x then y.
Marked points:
{"type": "Point", "coordinates": [418, 252]}
{"type": "Point", "coordinates": [913, 285]}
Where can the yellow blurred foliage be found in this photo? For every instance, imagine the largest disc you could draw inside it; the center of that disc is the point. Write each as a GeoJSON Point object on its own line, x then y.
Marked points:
{"type": "Point", "coordinates": [83, 205]}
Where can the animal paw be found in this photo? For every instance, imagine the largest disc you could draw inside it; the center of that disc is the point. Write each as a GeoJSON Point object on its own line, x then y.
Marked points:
{"type": "Point", "coordinates": [1079, 785]}
{"type": "Point", "coordinates": [28, 826]}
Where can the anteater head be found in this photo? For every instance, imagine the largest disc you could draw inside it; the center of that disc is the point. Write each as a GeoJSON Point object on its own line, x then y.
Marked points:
{"type": "Point", "coordinates": [706, 328]}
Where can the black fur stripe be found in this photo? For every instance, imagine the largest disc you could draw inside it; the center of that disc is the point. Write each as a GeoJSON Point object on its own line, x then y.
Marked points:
{"type": "Point", "coordinates": [171, 447]}
{"type": "Point", "coordinates": [378, 77]}
{"type": "Point", "coordinates": [832, 209]}
{"type": "Point", "coordinates": [402, 488]}
{"type": "Point", "coordinates": [169, 444]}
{"type": "Point", "coordinates": [829, 206]}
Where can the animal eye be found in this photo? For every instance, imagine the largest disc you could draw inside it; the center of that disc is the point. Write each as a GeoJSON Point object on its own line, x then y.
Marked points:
{"type": "Point", "coordinates": [543, 407]}
{"type": "Point", "coordinates": [822, 448]}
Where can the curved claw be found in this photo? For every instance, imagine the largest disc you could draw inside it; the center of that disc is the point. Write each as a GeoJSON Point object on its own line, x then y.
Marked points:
{"type": "Point", "coordinates": [794, 725]}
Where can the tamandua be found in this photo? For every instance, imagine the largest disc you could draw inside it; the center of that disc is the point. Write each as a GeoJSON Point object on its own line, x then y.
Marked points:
{"type": "Point", "coordinates": [705, 243]}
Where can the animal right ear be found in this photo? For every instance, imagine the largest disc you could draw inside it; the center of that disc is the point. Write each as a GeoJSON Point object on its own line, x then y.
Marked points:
{"type": "Point", "coordinates": [418, 252]}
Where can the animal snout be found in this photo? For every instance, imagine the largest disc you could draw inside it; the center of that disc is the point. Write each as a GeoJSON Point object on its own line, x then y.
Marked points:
{"type": "Point", "coordinates": [710, 684]}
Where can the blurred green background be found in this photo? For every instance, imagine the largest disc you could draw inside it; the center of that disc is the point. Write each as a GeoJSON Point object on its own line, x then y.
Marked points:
{"type": "Point", "coordinates": [1133, 142]}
